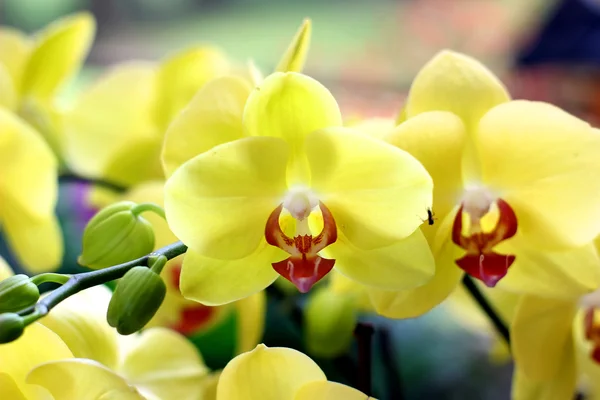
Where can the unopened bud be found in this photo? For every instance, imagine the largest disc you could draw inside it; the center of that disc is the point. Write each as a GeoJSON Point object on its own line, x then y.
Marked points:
{"type": "Point", "coordinates": [11, 327]}
{"type": "Point", "coordinates": [17, 292]}
{"type": "Point", "coordinates": [136, 299]}
{"type": "Point", "coordinates": [330, 319]}
{"type": "Point", "coordinates": [116, 235]}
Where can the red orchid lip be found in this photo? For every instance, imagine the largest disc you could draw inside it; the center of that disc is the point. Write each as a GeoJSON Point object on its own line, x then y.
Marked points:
{"type": "Point", "coordinates": [481, 261]}
{"type": "Point", "coordinates": [304, 267]}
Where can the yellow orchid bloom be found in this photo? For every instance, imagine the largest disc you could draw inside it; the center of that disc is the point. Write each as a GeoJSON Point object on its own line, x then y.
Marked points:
{"type": "Point", "coordinates": [33, 69]}
{"type": "Point", "coordinates": [513, 183]}
{"type": "Point", "coordinates": [187, 316]}
{"type": "Point", "coordinates": [116, 128]}
{"type": "Point", "coordinates": [75, 344]}
{"type": "Point", "coordinates": [554, 341]}
{"type": "Point", "coordinates": [28, 195]}
{"type": "Point", "coordinates": [279, 373]}
{"type": "Point", "coordinates": [284, 152]}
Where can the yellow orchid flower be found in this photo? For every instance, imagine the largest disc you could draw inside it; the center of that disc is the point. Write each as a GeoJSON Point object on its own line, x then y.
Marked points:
{"type": "Point", "coordinates": [187, 316]}
{"type": "Point", "coordinates": [279, 373]}
{"type": "Point", "coordinates": [284, 152]}
{"type": "Point", "coordinates": [28, 195]}
{"type": "Point", "coordinates": [33, 69]}
{"type": "Point", "coordinates": [75, 344]}
{"type": "Point", "coordinates": [116, 128]}
{"type": "Point", "coordinates": [554, 341]}
{"type": "Point", "coordinates": [513, 183]}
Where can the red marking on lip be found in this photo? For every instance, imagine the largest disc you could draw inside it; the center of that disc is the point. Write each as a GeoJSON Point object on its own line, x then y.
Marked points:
{"type": "Point", "coordinates": [304, 267]}
{"type": "Point", "coordinates": [481, 261]}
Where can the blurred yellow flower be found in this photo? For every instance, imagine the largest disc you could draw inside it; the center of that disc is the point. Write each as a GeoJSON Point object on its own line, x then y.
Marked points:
{"type": "Point", "coordinates": [284, 152]}
{"type": "Point", "coordinates": [279, 373]}
{"type": "Point", "coordinates": [116, 128]}
{"type": "Point", "coordinates": [513, 183]}
{"type": "Point", "coordinates": [28, 195]}
{"type": "Point", "coordinates": [75, 344]}
{"type": "Point", "coordinates": [33, 69]}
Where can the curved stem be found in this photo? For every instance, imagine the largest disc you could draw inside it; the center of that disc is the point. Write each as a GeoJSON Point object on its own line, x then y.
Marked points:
{"type": "Point", "coordinates": [155, 208]}
{"type": "Point", "coordinates": [85, 280]}
{"type": "Point", "coordinates": [50, 277]}
{"type": "Point", "coordinates": [486, 307]}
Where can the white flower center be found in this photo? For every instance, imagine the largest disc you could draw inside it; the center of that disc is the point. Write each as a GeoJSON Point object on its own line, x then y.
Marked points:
{"type": "Point", "coordinates": [477, 201]}
{"type": "Point", "coordinates": [300, 201]}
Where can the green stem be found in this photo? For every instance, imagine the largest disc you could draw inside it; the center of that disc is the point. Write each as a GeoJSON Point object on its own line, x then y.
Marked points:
{"type": "Point", "coordinates": [85, 280]}
{"type": "Point", "coordinates": [50, 277]}
{"type": "Point", "coordinates": [155, 208]}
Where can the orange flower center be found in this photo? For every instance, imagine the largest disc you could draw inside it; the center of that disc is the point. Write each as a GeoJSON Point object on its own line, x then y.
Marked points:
{"type": "Point", "coordinates": [489, 222]}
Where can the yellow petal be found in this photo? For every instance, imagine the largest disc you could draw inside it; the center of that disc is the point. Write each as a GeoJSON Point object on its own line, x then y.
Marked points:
{"type": "Point", "coordinates": [329, 391]}
{"type": "Point", "coordinates": [9, 389]}
{"type": "Point", "coordinates": [8, 91]}
{"type": "Point", "coordinates": [457, 83]}
{"type": "Point", "coordinates": [403, 265]}
{"type": "Point", "coordinates": [80, 321]}
{"type": "Point", "coordinates": [290, 106]}
{"type": "Point", "coordinates": [37, 345]}
{"type": "Point", "coordinates": [214, 282]}
{"type": "Point", "coordinates": [542, 337]}
{"type": "Point", "coordinates": [295, 55]}
{"type": "Point", "coordinates": [375, 191]}
{"type": "Point", "coordinates": [37, 242]}
{"type": "Point", "coordinates": [82, 379]}
{"type": "Point", "coordinates": [59, 51]}
{"type": "Point", "coordinates": [436, 139]}
{"type": "Point", "coordinates": [378, 128]}
{"type": "Point", "coordinates": [562, 386]}
{"type": "Point", "coordinates": [566, 274]}
{"type": "Point", "coordinates": [267, 374]}
{"type": "Point", "coordinates": [181, 75]}
{"type": "Point", "coordinates": [543, 161]}
{"type": "Point", "coordinates": [415, 302]}
{"type": "Point", "coordinates": [5, 270]}
{"type": "Point", "coordinates": [111, 117]}
{"type": "Point", "coordinates": [16, 48]}
{"type": "Point", "coordinates": [218, 202]}
{"type": "Point", "coordinates": [251, 313]}
{"type": "Point", "coordinates": [28, 188]}
{"type": "Point", "coordinates": [165, 364]}
{"type": "Point", "coordinates": [213, 117]}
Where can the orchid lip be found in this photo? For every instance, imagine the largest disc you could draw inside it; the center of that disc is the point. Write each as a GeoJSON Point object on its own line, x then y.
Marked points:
{"type": "Point", "coordinates": [592, 333]}
{"type": "Point", "coordinates": [304, 267]}
{"type": "Point", "coordinates": [481, 261]}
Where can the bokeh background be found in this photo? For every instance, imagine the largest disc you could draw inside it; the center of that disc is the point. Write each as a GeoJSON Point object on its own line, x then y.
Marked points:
{"type": "Point", "coordinates": [366, 52]}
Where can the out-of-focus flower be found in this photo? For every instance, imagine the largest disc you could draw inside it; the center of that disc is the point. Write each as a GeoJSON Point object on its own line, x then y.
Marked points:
{"type": "Point", "coordinates": [135, 367]}
{"type": "Point", "coordinates": [288, 157]}
{"type": "Point", "coordinates": [554, 342]}
{"type": "Point", "coordinates": [29, 191]}
{"type": "Point", "coordinates": [513, 183]}
{"type": "Point", "coordinates": [33, 69]}
{"type": "Point", "coordinates": [194, 320]}
{"type": "Point", "coordinates": [116, 128]}
{"type": "Point", "coordinates": [279, 373]}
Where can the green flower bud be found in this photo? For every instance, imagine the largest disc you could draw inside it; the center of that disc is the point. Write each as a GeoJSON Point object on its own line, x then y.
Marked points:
{"type": "Point", "coordinates": [11, 327]}
{"type": "Point", "coordinates": [17, 292]}
{"type": "Point", "coordinates": [136, 299]}
{"type": "Point", "coordinates": [330, 319]}
{"type": "Point", "coordinates": [116, 235]}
